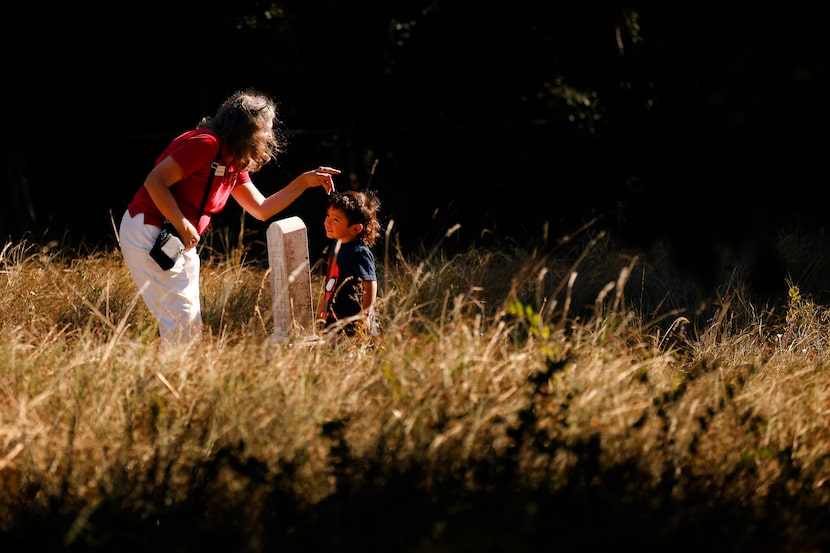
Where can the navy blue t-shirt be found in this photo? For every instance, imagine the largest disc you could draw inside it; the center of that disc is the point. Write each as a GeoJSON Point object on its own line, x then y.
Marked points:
{"type": "Point", "coordinates": [348, 265]}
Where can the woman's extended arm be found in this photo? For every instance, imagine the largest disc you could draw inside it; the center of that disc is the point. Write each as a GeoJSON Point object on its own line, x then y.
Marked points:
{"type": "Point", "coordinates": [251, 199]}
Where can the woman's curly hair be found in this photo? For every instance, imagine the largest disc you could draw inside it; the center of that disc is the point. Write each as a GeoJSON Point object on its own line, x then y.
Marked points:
{"type": "Point", "coordinates": [248, 125]}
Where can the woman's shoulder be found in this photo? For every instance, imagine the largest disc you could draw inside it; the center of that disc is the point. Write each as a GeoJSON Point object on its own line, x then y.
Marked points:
{"type": "Point", "coordinates": [200, 135]}
{"type": "Point", "coordinates": [201, 140]}
{"type": "Point", "coordinates": [193, 148]}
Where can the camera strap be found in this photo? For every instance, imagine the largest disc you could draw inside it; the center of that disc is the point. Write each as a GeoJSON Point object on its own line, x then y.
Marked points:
{"type": "Point", "coordinates": [213, 167]}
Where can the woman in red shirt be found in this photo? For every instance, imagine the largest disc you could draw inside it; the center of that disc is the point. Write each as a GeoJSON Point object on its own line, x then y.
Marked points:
{"type": "Point", "coordinates": [238, 140]}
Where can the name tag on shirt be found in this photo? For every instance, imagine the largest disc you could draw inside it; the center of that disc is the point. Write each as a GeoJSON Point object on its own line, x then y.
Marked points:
{"type": "Point", "coordinates": [220, 171]}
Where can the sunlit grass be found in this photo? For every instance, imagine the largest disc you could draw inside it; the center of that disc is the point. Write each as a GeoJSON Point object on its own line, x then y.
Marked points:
{"type": "Point", "coordinates": [557, 382]}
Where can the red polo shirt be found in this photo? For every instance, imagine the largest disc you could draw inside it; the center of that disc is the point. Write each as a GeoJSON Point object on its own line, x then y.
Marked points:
{"type": "Point", "coordinates": [194, 151]}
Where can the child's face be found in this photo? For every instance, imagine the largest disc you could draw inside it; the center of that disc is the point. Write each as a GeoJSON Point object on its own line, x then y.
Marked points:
{"type": "Point", "coordinates": [338, 227]}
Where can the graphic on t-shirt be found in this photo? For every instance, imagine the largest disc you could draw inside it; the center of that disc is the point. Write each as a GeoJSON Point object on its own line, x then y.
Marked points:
{"type": "Point", "coordinates": [341, 298]}
{"type": "Point", "coordinates": [332, 272]}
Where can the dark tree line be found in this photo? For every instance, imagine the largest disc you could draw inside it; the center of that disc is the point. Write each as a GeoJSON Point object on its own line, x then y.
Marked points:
{"type": "Point", "coordinates": [662, 121]}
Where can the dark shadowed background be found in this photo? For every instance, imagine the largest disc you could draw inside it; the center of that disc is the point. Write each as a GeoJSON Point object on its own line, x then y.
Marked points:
{"type": "Point", "coordinates": [701, 125]}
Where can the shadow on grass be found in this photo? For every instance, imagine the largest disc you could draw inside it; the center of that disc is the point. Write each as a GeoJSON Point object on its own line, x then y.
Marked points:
{"type": "Point", "coordinates": [482, 510]}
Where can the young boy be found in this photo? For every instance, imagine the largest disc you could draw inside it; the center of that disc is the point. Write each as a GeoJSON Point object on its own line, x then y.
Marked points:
{"type": "Point", "coordinates": [350, 292]}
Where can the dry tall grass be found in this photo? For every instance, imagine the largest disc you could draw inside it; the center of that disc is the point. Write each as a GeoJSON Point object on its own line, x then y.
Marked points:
{"type": "Point", "coordinates": [516, 400]}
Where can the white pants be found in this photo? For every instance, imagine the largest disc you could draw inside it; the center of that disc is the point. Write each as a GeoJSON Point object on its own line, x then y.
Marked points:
{"type": "Point", "coordinates": [172, 296]}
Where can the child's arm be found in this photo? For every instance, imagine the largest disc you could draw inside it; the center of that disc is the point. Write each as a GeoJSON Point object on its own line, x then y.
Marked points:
{"type": "Point", "coordinates": [370, 294]}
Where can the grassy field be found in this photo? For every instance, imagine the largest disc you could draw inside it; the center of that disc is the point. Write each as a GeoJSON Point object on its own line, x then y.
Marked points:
{"type": "Point", "coordinates": [562, 396]}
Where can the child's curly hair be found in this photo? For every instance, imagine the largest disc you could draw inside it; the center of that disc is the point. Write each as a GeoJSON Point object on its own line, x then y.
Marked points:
{"type": "Point", "coordinates": [360, 207]}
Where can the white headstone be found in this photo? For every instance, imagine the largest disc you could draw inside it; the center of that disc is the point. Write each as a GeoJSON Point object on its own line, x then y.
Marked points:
{"type": "Point", "coordinates": [293, 310]}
